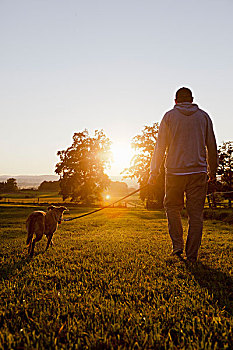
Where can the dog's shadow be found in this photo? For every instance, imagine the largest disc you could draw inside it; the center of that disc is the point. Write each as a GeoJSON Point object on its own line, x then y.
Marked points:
{"type": "Point", "coordinates": [11, 269]}
{"type": "Point", "coordinates": [218, 284]}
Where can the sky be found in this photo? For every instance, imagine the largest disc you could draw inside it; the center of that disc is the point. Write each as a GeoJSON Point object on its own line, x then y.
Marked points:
{"type": "Point", "coordinates": [67, 65]}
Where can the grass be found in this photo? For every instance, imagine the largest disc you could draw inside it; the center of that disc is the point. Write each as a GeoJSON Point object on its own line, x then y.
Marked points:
{"type": "Point", "coordinates": [29, 197]}
{"type": "Point", "coordinates": [109, 283]}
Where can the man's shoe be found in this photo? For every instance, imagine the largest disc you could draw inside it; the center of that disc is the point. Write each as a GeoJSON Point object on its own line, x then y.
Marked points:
{"type": "Point", "coordinates": [178, 254]}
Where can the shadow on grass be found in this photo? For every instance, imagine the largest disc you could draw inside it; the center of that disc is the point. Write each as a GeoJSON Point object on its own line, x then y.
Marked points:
{"type": "Point", "coordinates": [218, 284]}
{"type": "Point", "coordinates": [11, 269]}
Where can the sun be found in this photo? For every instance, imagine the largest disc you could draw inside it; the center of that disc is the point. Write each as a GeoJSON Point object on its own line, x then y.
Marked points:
{"type": "Point", "coordinates": [122, 155]}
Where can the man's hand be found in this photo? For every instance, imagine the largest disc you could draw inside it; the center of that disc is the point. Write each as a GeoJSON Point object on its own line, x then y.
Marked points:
{"type": "Point", "coordinates": [212, 178]}
{"type": "Point", "coordinates": [152, 179]}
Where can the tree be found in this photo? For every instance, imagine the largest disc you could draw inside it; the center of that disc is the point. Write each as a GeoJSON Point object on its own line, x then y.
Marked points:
{"type": "Point", "coordinates": [225, 169]}
{"type": "Point", "coordinates": [81, 167]}
{"type": "Point", "coordinates": [144, 145]}
{"type": "Point", "coordinates": [9, 186]}
{"type": "Point", "coordinates": [49, 186]}
{"type": "Point", "coordinates": [118, 188]}
{"type": "Point", "coordinates": [2, 187]}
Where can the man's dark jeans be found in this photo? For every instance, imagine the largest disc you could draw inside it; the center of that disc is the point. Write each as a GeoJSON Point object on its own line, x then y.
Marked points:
{"type": "Point", "coordinates": [195, 187]}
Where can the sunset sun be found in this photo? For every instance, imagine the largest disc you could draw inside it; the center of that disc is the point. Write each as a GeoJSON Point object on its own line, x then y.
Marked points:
{"type": "Point", "coordinates": [122, 155]}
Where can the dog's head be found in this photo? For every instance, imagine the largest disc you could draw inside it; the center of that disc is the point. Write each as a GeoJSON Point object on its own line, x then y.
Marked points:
{"type": "Point", "coordinates": [57, 212]}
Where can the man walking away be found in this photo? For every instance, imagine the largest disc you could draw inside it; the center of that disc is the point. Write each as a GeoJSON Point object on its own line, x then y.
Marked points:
{"type": "Point", "coordinates": [187, 138]}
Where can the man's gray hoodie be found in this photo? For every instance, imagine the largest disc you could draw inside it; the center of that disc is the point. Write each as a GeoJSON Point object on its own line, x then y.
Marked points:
{"type": "Point", "coordinates": [186, 135]}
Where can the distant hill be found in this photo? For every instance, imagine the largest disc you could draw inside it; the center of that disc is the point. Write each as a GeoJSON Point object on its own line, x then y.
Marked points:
{"type": "Point", "coordinates": [29, 181]}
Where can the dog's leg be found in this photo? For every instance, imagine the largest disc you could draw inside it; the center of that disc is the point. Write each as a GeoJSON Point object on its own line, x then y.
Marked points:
{"type": "Point", "coordinates": [32, 244]}
{"type": "Point", "coordinates": [49, 240]}
{"type": "Point", "coordinates": [36, 239]}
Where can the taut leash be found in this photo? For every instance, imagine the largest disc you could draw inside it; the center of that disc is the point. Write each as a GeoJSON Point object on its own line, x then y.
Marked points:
{"type": "Point", "coordinates": [107, 206]}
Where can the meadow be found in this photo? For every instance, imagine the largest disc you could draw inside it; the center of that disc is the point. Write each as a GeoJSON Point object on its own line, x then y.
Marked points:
{"type": "Point", "coordinates": [109, 282]}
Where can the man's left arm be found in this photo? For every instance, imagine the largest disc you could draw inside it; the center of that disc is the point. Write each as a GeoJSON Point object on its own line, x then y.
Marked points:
{"type": "Point", "coordinates": [212, 151]}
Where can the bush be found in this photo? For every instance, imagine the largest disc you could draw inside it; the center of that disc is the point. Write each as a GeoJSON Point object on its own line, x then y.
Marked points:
{"type": "Point", "coordinates": [217, 214]}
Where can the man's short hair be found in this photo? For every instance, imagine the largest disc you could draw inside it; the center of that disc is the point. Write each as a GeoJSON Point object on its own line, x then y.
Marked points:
{"type": "Point", "coordinates": [184, 95]}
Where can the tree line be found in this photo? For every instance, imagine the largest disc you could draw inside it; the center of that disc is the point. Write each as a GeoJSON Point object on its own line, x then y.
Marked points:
{"type": "Point", "coordinates": [82, 169]}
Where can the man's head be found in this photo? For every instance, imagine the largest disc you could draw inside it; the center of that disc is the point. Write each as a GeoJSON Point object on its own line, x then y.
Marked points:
{"type": "Point", "coordinates": [183, 95]}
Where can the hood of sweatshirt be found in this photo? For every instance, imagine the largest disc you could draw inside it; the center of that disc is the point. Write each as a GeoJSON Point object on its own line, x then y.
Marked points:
{"type": "Point", "coordinates": [186, 108]}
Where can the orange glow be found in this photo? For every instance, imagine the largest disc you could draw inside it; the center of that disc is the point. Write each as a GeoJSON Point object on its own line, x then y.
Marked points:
{"type": "Point", "coordinates": [122, 155]}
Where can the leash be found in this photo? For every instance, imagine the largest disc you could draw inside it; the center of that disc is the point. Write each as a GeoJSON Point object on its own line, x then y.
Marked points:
{"type": "Point", "coordinates": [107, 206]}
{"type": "Point", "coordinates": [119, 200]}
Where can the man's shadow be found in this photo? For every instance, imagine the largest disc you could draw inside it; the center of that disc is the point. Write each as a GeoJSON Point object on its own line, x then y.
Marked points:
{"type": "Point", "coordinates": [218, 284]}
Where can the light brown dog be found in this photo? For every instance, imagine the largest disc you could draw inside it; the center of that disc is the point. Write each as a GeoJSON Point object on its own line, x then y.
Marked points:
{"type": "Point", "coordinates": [40, 223]}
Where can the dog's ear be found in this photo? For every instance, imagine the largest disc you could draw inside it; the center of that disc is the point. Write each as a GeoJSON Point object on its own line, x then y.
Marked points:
{"type": "Point", "coordinates": [51, 207]}
{"type": "Point", "coordinates": [63, 209]}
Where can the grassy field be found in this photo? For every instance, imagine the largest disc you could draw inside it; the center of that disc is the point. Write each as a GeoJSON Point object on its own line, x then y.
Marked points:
{"type": "Point", "coordinates": [29, 196]}
{"type": "Point", "coordinates": [109, 283]}
{"type": "Point", "coordinates": [35, 197]}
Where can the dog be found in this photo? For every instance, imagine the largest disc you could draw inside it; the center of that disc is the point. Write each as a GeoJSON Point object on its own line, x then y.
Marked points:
{"type": "Point", "coordinates": [41, 223]}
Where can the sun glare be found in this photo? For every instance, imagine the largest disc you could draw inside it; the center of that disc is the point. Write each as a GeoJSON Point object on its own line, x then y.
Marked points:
{"type": "Point", "coordinates": [122, 155]}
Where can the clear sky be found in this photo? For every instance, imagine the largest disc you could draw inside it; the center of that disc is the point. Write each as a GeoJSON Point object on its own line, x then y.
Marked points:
{"type": "Point", "coordinates": [66, 65]}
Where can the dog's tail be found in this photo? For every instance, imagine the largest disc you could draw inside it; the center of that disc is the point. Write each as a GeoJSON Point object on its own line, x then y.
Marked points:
{"type": "Point", "coordinates": [29, 226]}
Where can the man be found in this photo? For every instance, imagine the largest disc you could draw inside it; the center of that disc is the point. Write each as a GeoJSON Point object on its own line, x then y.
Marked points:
{"type": "Point", "coordinates": [187, 138]}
